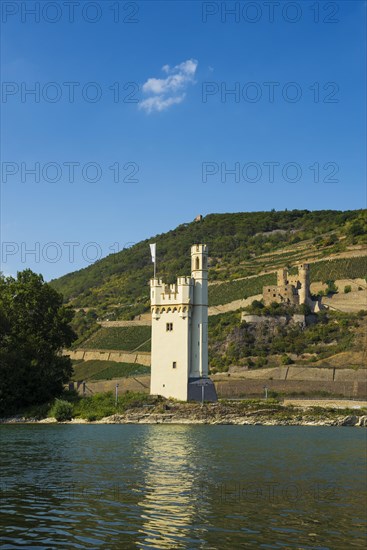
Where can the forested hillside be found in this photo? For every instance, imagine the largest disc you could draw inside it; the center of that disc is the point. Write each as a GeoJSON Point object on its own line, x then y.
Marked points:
{"type": "Point", "coordinates": [240, 245]}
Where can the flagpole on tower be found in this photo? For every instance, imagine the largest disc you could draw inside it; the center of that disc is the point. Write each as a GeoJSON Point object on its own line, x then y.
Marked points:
{"type": "Point", "coordinates": [153, 254]}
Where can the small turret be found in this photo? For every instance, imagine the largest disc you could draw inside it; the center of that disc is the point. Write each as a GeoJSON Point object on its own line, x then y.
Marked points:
{"type": "Point", "coordinates": [282, 276]}
{"type": "Point", "coordinates": [199, 261]}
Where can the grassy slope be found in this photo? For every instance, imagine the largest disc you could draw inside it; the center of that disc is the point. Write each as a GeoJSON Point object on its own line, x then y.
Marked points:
{"type": "Point", "coordinates": [237, 290]}
{"type": "Point", "coordinates": [105, 370]}
{"type": "Point", "coordinates": [120, 338]}
{"type": "Point", "coordinates": [240, 245]}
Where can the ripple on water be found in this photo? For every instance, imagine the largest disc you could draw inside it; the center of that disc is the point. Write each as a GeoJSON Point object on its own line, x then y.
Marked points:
{"type": "Point", "coordinates": [161, 487]}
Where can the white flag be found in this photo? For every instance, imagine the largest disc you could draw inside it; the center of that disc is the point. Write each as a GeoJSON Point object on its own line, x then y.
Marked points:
{"type": "Point", "coordinates": [152, 251]}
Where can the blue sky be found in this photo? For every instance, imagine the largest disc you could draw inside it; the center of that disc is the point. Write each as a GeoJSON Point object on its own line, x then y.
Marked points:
{"type": "Point", "coordinates": [176, 60]}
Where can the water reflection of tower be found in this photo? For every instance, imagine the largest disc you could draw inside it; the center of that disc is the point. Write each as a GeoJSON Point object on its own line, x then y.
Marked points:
{"type": "Point", "coordinates": [172, 488]}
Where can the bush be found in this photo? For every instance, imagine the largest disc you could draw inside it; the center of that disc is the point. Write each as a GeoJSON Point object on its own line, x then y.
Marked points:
{"type": "Point", "coordinates": [331, 287]}
{"type": "Point", "coordinates": [62, 410]}
{"type": "Point", "coordinates": [286, 360]}
{"type": "Point", "coordinates": [100, 405]}
{"type": "Point", "coordinates": [37, 411]}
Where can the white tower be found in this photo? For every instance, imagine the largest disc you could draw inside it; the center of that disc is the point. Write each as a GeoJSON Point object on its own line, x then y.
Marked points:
{"type": "Point", "coordinates": [199, 319]}
{"type": "Point", "coordinates": [180, 331]}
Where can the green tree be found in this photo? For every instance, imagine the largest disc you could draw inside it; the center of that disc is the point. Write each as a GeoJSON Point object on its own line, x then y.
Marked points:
{"type": "Point", "coordinates": [34, 328]}
{"type": "Point", "coordinates": [356, 228]}
{"type": "Point", "coordinates": [331, 287]}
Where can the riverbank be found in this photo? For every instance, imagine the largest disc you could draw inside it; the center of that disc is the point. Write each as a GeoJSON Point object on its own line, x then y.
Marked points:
{"type": "Point", "coordinates": [243, 413]}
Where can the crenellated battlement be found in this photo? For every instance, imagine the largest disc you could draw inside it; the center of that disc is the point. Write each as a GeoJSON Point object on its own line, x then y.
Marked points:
{"type": "Point", "coordinates": [199, 249]}
{"type": "Point", "coordinates": [162, 294]}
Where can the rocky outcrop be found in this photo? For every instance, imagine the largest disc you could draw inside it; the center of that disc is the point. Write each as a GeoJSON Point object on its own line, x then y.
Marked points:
{"type": "Point", "coordinates": [350, 421]}
{"type": "Point", "coordinates": [235, 413]}
{"type": "Point", "coordinates": [362, 421]}
{"type": "Point", "coordinates": [220, 414]}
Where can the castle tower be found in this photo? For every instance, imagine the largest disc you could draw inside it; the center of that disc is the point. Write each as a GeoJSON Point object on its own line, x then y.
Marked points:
{"type": "Point", "coordinates": [179, 360]}
{"type": "Point", "coordinates": [304, 279]}
{"type": "Point", "coordinates": [282, 276]}
{"type": "Point", "coordinates": [199, 322]}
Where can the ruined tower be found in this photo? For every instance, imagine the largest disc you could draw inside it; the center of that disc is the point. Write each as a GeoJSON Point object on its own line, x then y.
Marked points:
{"type": "Point", "coordinates": [304, 280]}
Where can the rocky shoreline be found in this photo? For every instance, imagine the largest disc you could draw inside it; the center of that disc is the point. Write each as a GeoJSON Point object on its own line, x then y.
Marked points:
{"type": "Point", "coordinates": [217, 414]}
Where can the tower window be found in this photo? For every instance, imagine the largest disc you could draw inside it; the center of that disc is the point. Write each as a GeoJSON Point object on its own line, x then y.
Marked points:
{"type": "Point", "coordinates": [197, 263]}
{"type": "Point", "coordinates": [169, 327]}
{"type": "Point", "coordinates": [174, 364]}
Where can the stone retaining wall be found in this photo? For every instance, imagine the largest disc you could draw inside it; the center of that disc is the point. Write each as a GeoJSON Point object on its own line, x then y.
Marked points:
{"type": "Point", "coordinates": [135, 323]}
{"type": "Point", "coordinates": [233, 388]}
{"type": "Point", "coordinates": [299, 373]}
{"type": "Point", "coordinates": [142, 358]}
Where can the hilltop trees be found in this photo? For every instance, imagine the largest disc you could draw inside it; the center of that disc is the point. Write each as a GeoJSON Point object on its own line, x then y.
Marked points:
{"type": "Point", "coordinates": [34, 327]}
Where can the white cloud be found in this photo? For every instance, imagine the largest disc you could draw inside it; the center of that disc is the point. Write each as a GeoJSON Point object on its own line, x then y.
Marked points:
{"type": "Point", "coordinates": [165, 92]}
{"type": "Point", "coordinates": [159, 103]}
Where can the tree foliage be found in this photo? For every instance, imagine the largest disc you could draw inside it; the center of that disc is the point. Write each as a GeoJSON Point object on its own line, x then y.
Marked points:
{"type": "Point", "coordinates": [235, 343]}
{"type": "Point", "coordinates": [34, 328]}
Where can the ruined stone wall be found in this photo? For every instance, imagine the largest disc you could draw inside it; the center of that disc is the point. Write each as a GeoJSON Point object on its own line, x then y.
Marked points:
{"type": "Point", "coordinates": [280, 294]}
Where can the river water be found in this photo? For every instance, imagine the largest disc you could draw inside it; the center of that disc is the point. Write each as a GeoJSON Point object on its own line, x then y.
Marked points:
{"type": "Point", "coordinates": [211, 487]}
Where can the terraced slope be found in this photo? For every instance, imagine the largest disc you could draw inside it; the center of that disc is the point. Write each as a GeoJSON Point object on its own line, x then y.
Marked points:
{"type": "Point", "coordinates": [240, 245]}
{"type": "Point", "coordinates": [120, 338]}
{"type": "Point", "coordinates": [106, 370]}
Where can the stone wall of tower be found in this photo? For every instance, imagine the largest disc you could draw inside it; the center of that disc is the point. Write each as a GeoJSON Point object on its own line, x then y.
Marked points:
{"type": "Point", "coordinates": [282, 276]}
{"type": "Point", "coordinates": [199, 322]}
{"type": "Point", "coordinates": [171, 307]}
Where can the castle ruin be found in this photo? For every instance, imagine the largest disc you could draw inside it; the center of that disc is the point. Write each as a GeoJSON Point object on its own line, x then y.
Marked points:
{"type": "Point", "coordinates": [291, 290]}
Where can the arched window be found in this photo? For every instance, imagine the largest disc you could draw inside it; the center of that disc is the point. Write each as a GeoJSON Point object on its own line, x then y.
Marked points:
{"type": "Point", "coordinates": [197, 263]}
